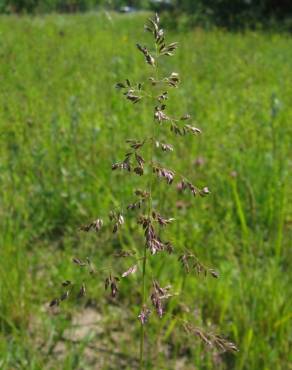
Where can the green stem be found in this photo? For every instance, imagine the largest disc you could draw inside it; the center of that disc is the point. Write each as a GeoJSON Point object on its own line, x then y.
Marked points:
{"type": "Point", "coordinates": [142, 331]}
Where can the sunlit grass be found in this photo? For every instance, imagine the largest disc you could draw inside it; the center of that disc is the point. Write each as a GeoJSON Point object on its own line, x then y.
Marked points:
{"type": "Point", "coordinates": [62, 124]}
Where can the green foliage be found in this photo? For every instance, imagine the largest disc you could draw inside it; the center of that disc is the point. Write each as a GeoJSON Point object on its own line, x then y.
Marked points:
{"type": "Point", "coordinates": [46, 6]}
{"type": "Point", "coordinates": [181, 14]}
{"type": "Point", "coordinates": [62, 125]}
{"type": "Point", "coordinates": [236, 14]}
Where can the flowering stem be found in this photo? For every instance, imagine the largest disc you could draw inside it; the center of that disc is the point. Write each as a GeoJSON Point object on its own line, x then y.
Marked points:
{"type": "Point", "coordinates": [142, 332]}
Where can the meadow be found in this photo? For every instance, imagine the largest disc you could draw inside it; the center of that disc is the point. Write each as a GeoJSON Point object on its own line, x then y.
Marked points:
{"type": "Point", "coordinates": [63, 124]}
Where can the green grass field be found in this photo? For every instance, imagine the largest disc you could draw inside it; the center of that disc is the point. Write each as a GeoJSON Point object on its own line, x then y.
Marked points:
{"type": "Point", "coordinates": [62, 125]}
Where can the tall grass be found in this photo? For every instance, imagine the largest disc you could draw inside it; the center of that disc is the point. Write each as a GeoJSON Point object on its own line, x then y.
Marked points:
{"type": "Point", "coordinates": [59, 122]}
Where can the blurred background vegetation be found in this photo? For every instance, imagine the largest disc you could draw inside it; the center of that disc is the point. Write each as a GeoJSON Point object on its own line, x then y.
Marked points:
{"type": "Point", "coordinates": [226, 13]}
{"type": "Point", "coordinates": [62, 125]}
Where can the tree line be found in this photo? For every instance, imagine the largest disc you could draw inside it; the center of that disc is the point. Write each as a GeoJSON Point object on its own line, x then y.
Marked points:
{"type": "Point", "coordinates": [226, 13]}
